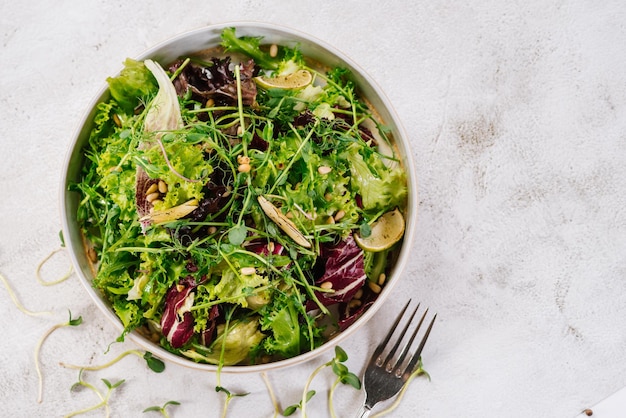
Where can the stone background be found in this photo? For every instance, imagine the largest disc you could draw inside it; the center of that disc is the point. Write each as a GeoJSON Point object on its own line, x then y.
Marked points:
{"type": "Point", "coordinates": [516, 112]}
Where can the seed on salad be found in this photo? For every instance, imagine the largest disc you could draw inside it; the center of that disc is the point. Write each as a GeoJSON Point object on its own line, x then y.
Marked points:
{"type": "Point", "coordinates": [243, 159]}
{"type": "Point", "coordinates": [156, 201]}
{"type": "Point", "coordinates": [324, 169]}
{"type": "Point", "coordinates": [358, 294]}
{"type": "Point", "coordinates": [117, 120]}
{"type": "Point", "coordinates": [330, 220]}
{"type": "Point", "coordinates": [340, 214]}
{"type": "Point", "coordinates": [354, 303]}
{"type": "Point", "coordinates": [210, 103]}
{"type": "Point", "coordinates": [328, 197]}
{"type": "Point", "coordinates": [248, 271]}
{"type": "Point", "coordinates": [153, 188]}
{"type": "Point", "coordinates": [91, 255]}
{"type": "Point", "coordinates": [239, 130]}
{"type": "Point", "coordinates": [271, 246]}
{"type": "Point", "coordinates": [382, 278]}
{"type": "Point", "coordinates": [180, 288]}
{"type": "Point", "coordinates": [327, 285]}
{"type": "Point", "coordinates": [374, 287]}
{"type": "Point", "coordinates": [162, 187]}
{"type": "Point", "coordinates": [273, 50]}
{"type": "Point", "coordinates": [244, 168]}
{"type": "Point", "coordinates": [153, 196]}
{"type": "Point", "coordinates": [212, 230]}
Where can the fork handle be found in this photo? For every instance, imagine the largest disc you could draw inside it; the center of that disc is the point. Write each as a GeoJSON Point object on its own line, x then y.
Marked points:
{"type": "Point", "coordinates": [364, 412]}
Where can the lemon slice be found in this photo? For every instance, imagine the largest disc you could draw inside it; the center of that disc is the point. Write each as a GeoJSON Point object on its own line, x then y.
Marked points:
{"type": "Point", "coordinates": [291, 81]}
{"type": "Point", "coordinates": [386, 231]}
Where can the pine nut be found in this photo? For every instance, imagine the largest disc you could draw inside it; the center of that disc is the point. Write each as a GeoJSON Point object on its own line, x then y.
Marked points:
{"type": "Point", "coordinates": [327, 285]}
{"type": "Point", "coordinates": [374, 287]}
{"type": "Point", "coordinates": [162, 186]}
{"type": "Point", "coordinates": [244, 168]}
{"type": "Point", "coordinates": [324, 169]}
{"type": "Point", "coordinates": [358, 294]}
{"type": "Point", "coordinates": [248, 271]}
{"type": "Point", "coordinates": [242, 159]}
{"type": "Point", "coordinates": [210, 103]}
{"type": "Point", "coordinates": [330, 220]}
{"type": "Point", "coordinates": [328, 197]}
{"type": "Point", "coordinates": [212, 230]}
{"type": "Point", "coordinates": [91, 255]}
{"type": "Point", "coordinates": [153, 196]}
{"type": "Point", "coordinates": [340, 214]}
{"type": "Point", "coordinates": [153, 188]}
{"type": "Point", "coordinates": [354, 303]}
{"type": "Point", "coordinates": [270, 247]}
{"type": "Point", "coordinates": [273, 50]}
{"type": "Point", "coordinates": [239, 130]}
{"type": "Point", "coordinates": [117, 120]}
{"type": "Point", "coordinates": [381, 279]}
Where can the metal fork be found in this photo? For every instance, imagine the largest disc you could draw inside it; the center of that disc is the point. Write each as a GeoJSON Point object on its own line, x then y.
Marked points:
{"type": "Point", "coordinates": [386, 373]}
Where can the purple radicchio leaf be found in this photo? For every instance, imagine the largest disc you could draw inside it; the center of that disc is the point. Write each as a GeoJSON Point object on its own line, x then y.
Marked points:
{"type": "Point", "coordinates": [264, 248]}
{"type": "Point", "coordinates": [349, 314]}
{"type": "Point", "coordinates": [177, 321]}
{"type": "Point", "coordinates": [343, 268]}
{"type": "Point", "coordinates": [208, 335]}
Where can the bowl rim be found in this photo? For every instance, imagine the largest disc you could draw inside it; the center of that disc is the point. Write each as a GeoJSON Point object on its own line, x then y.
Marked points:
{"type": "Point", "coordinates": [400, 140]}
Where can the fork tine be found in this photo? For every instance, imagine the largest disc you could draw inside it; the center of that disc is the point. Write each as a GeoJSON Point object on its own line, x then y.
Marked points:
{"type": "Point", "coordinates": [408, 345]}
{"type": "Point", "coordinates": [385, 341]}
{"type": "Point", "coordinates": [392, 352]}
{"type": "Point", "coordinates": [416, 356]}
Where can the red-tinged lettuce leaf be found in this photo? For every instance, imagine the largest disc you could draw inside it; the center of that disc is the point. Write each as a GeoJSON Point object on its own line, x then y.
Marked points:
{"type": "Point", "coordinates": [344, 268]}
{"type": "Point", "coordinates": [216, 81]}
{"type": "Point", "coordinates": [177, 321]}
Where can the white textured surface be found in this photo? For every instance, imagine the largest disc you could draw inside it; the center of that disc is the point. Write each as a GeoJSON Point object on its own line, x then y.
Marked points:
{"type": "Point", "coordinates": [517, 115]}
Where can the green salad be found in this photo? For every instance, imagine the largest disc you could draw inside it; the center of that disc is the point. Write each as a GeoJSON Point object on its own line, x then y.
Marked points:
{"type": "Point", "coordinates": [241, 205]}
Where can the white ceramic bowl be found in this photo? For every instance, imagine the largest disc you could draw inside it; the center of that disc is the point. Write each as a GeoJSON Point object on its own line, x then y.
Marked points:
{"type": "Point", "coordinates": [201, 39]}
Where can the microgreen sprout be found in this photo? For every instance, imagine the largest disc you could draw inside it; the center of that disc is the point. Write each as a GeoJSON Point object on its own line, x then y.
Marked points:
{"type": "Point", "coordinates": [155, 364]}
{"type": "Point", "coordinates": [70, 323]}
{"type": "Point", "coordinates": [229, 397]}
{"type": "Point", "coordinates": [162, 409]}
{"type": "Point", "coordinates": [343, 376]}
{"type": "Point", "coordinates": [63, 278]}
{"type": "Point", "coordinates": [17, 302]}
{"type": "Point", "coordinates": [104, 399]}
{"type": "Point", "coordinates": [293, 408]}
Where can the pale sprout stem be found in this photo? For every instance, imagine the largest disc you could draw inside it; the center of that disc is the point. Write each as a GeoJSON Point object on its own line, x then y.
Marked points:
{"type": "Point", "coordinates": [305, 391]}
{"type": "Point", "coordinates": [16, 301]}
{"type": "Point", "coordinates": [270, 390]}
{"type": "Point", "coordinates": [105, 365]}
{"type": "Point", "coordinates": [331, 392]}
{"type": "Point", "coordinates": [37, 351]}
{"type": "Point", "coordinates": [43, 262]}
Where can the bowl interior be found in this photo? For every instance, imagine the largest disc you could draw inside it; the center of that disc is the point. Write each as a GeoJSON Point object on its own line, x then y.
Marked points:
{"type": "Point", "coordinates": [192, 42]}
